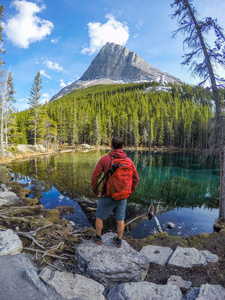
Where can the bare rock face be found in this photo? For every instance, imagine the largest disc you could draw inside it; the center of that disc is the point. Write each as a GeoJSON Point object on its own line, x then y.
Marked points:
{"type": "Point", "coordinates": [7, 198]}
{"type": "Point", "coordinates": [144, 290]}
{"type": "Point", "coordinates": [109, 264]}
{"type": "Point", "coordinates": [10, 243]}
{"type": "Point", "coordinates": [156, 254]}
{"type": "Point", "coordinates": [184, 285]}
{"type": "Point", "coordinates": [212, 292]}
{"type": "Point", "coordinates": [187, 258]}
{"type": "Point", "coordinates": [71, 286]}
{"type": "Point", "coordinates": [118, 63]}
{"type": "Point", "coordinates": [115, 63]}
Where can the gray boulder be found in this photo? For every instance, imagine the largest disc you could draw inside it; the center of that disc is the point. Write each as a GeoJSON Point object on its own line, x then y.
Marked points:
{"type": "Point", "coordinates": [184, 285]}
{"type": "Point", "coordinates": [71, 286]}
{"type": "Point", "coordinates": [7, 198]}
{"type": "Point", "coordinates": [4, 188]}
{"type": "Point", "coordinates": [10, 243]}
{"type": "Point", "coordinates": [192, 294]}
{"type": "Point", "coordinates": [144, 291]}
{"type": "Point", "coordinates": [109, 264]}
{"type": "Point", "coordinates": [187, 258]}
{"type": "Point", "coordinates": [156, 254]}
{"type": "Point", "coordinates": [86, 146]}
{"type": "Point", "coordinates": [31, 275]}
{"type": "Point", "coordinates": [18, 280]}
{"type": "Point", "coordinates": [211, 292]}
{"type": "Point", "coordinates": [211, 258]}
{"type": "Point", "coordinates": [171, 225]}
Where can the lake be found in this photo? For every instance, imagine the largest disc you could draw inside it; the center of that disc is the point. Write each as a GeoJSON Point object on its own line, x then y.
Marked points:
{"type": "Point", "coordinates": [183, 190]}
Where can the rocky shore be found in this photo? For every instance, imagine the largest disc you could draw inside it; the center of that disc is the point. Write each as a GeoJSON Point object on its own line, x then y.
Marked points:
{"type": "Point", "coordinates": [41, 257]}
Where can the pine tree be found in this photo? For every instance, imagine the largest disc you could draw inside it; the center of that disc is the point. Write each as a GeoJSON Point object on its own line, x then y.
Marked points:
{"type": "Point", "coordinates": [9, 108]}
{"type": "Point", "coordinates": [203, 58]}
{"type": "Point", "coordinates": [34, 103]}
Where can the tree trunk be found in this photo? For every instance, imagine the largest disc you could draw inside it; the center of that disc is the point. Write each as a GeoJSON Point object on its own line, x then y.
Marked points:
{"type": "Point", "coordinates": [2, 116]}
{"type": "Point", "coordinates": [222, 184]}
{"type": "Point", "coordinates": [219, 117]}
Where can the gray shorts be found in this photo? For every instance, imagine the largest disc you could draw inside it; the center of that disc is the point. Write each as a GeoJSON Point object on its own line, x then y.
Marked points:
{"type": "Point", "coordinates": [107, 205]}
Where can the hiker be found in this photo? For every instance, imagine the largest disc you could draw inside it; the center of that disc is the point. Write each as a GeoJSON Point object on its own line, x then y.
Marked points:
{"type": "Point", "coordinates": [111, 164]}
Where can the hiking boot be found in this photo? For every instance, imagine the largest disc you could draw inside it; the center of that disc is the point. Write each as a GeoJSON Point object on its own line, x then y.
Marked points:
{"type": "Point", "coordinates": [118, 242]}
{"type": "Point", "coordinates": [97, 239]}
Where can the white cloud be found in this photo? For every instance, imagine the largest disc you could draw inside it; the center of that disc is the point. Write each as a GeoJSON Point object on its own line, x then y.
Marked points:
{"type": "Point", "coordinates": [25, 27]}
{"type": "Point", "coordinates": [111, 31]}
{"type": "Point", "coordinates": [55, 40]}
{"type": "Point", "coordinates": [43, 73]}
{"type": "Point", "coordinates": [53, 65]}
{"type": "Point", "coordinates": [139, 25]}
{"type": "Point", "coordinates": [44, 97]}
{"type": "Point", "coordinates": [63, 84]}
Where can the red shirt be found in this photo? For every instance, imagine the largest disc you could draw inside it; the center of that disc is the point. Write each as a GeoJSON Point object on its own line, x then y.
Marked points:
{"type": "Point", "coordinates": [104, 164]}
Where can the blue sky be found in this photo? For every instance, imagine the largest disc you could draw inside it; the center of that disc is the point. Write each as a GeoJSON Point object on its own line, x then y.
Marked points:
{"type": "Point", "coordinates": [60, 38]}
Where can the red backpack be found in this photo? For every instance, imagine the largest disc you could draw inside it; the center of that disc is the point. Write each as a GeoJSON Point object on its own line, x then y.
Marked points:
{"type": "Point", "coordinates": [119, 184]}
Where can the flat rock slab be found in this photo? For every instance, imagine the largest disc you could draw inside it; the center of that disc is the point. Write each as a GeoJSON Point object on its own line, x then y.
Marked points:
{"type": "Point", "coordinates": [144, 290]}
{"type": "Point", "coordinates": [187, 258]}
{"type": "Point", "coordinates": [7, 198]}
{"type": "Point", "coordinates": [184, 285]}
{"type": "Point", "coordinates": [10, 243]}
{"type": "Point", "coordinates": [210, 258]}
{"type": "Point", "coordinates": [211, 292]}
{"type": "Point", "coordinates": [156, 254]}
{"type": "Point", "coordinates": [110, 264]}
{"type": "Point", "coordinates": [15, 284]}
{"type": "Point", "coordinates": [72, 286]}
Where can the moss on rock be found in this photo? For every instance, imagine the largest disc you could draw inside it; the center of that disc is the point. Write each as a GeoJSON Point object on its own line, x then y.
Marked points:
{"type": "Point", "coordinates": [219, 225]}
{"type": "Point", "coordinates": [5, 175]}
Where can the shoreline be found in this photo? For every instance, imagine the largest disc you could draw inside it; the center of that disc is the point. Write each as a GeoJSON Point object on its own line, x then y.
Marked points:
{"type": "Point", "coordinates": [63, 149]}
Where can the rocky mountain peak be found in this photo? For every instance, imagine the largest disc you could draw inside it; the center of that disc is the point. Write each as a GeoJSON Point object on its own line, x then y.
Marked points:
{"type": "Point", "coordinates": [115, 63]}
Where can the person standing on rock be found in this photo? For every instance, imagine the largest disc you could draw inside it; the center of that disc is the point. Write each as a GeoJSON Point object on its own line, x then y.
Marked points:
{"type": "Point", "coordinates": [120, 180]}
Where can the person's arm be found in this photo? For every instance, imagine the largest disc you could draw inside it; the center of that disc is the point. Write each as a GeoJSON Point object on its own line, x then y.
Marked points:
{"type": "Point", "coordinates": [96, 175]}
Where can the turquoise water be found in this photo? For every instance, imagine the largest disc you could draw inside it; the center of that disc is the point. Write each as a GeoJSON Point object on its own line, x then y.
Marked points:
{"type": "Point", "coordinates": [183, 190]}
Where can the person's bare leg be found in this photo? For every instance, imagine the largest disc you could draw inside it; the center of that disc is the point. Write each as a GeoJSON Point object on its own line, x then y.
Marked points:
{"type": "Point", "coordinates": [120, 228]}
{"type": "Point", "coordinates": [98, 226]}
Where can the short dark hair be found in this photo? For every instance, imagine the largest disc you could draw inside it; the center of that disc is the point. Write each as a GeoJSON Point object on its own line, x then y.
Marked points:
{"type": "Point", "coordinates": [117, 142]}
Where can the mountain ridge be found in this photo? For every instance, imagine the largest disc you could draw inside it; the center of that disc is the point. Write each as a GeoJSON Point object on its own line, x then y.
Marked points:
{"type": "Point", "coordinates": [116, 64]}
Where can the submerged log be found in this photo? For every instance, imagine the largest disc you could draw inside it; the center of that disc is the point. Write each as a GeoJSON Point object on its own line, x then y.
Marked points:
{"type": "Point", "coordinates": [146, 216]}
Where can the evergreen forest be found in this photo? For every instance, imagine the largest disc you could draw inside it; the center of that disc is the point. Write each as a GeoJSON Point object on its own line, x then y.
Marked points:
{"type": "Point", "coordinates": [179, 118]}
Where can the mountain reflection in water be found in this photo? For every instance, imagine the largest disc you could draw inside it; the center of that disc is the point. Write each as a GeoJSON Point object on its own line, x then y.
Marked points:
{"type": "Point", "coordinates": [183, 190]}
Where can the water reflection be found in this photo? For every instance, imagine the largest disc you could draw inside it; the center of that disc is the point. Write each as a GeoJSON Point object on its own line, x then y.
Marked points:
{"type": "Point", "coordinates": [186, 191]}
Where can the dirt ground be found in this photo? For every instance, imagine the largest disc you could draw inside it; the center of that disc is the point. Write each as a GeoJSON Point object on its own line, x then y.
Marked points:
{"type": "Point", "coordinates": [212, 273]}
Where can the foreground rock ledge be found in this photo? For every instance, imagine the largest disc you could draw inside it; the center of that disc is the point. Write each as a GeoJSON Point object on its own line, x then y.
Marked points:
{"type": "Point", "coordinates": [10, 243]}
{"type": "Point", "coordinates": [109, 264]}
{"type": "Point", "coordinates": [71, 286]}
{"type": "Point", "coordinates": [144, 290]}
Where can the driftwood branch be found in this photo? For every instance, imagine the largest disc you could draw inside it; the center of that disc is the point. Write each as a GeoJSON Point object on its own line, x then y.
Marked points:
{"type": "Point", "coordinates": [149, 215]}
{"type": "Point", "coordinates": [45, 253]}
{"type": "Point", "coordinates": [27, 235]}
{"type": "Point", "coordinates": [33, 233]}
{"type": "Point", "coordinates": [135, 219]}
{"type": "Point", "coordinates": [158, 224]}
